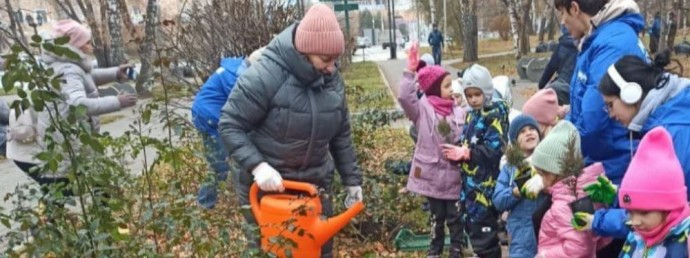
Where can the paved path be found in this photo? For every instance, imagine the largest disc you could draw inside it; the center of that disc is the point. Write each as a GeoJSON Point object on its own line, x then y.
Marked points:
{"type": "Point", "coordinates": [391, 71]}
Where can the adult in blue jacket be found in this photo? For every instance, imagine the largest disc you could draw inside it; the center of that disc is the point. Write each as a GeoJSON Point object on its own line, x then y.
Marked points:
{"type": "Point", "coordinates": [605, 34]}
{"type": "Point", "coordinates": [436, 42]}
{"type": "Point", "coordinates": [205, 115]}
{"type": "Point", "coordinates": [661, 100]}
{"type": "Point", "coordinates": [606, 31]}
{"type": "Point", "coordinates": [524, 134]}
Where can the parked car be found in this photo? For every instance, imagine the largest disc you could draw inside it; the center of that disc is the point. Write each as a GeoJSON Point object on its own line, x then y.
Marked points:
{"type": "Point", "coordinates": [363, 42]}
{"type": "Point", "coordinates": [384, 38]}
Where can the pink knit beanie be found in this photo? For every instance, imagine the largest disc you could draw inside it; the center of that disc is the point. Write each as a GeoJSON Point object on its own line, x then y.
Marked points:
{"type": "Point", "coordinates": [78, 34]}
{"type": "Point", "coordinates": [654, 180]}
{"type": "Point", "coordinates": [543, 106]}
{"type": "Point", "coordinates": [430, 78]}
{"type": "Point", "coordinates": [319, 33]}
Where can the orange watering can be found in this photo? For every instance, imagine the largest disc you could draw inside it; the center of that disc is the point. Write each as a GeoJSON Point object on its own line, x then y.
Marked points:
{"type": "Point", "coordinates": [298, 218]}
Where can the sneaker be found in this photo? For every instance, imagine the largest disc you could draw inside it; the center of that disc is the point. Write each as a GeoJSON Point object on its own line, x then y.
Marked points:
{"type": "Point", "coordinates": [425, 206]}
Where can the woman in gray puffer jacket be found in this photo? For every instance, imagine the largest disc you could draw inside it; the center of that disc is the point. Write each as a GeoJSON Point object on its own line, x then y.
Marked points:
{"type": "Point", "coordinates": [78, 87]}
{"type": "Point", "coordinates": [287, 117]}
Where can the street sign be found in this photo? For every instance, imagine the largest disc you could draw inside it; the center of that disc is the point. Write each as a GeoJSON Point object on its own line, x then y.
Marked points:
{"type": "Point", "coordinates": [348, 7]}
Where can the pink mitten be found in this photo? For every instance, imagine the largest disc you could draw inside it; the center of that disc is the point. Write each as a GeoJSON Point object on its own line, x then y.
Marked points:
{"type": "Point", "coordinates": [413, 57]}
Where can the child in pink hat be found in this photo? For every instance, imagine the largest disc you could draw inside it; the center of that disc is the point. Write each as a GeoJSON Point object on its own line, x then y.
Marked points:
{"type": "Point", "coordinates": [654, 194]}
{"type": "Point", "coordinates": [431, 175]}
{"type": "Point", "coordinates": [544, 107]}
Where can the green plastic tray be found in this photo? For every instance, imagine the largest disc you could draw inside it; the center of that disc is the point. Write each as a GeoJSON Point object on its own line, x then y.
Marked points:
{"type": "Point", "coordinates": [407, 241]}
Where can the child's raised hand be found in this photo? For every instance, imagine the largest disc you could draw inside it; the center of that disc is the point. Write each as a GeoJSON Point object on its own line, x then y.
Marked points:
{"type": "Point", "coordinates": [413, 57]}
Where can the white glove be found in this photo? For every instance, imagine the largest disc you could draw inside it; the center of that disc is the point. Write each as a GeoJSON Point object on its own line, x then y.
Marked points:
{"type": "Point", "coordinates": [533, 187]}
{"type": "Point", "coordinates": [354, 194]}
{"type": "Point", "coordinates": [268, 178]}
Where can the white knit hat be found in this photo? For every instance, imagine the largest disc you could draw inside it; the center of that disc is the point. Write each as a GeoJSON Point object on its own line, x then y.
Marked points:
{"type": "Point", "coordinates": [477, 76]}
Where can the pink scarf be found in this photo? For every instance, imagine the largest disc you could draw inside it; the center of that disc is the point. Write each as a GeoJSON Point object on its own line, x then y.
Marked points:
{"type": "Point", "coordinates": [442, 106]}
{"type": "Point", "coordinates": [656, 235]}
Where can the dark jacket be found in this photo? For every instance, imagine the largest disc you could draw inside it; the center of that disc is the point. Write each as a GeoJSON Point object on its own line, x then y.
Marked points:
{"type": "Point", "coordinates": [435, 38]}
{"type": "Point", "coordinates": [284, 112]}
{"type": "Point", "coordinates": [562, 61]}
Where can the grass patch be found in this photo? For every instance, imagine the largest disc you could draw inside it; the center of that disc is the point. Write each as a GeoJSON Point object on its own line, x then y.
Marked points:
{"type": "Point", "coordinates": [107, 119]}
{"type": "Point", "coordinates": [504, 65]}
{"type": "Point", "coordinates": [486, 47]}
{"type": "Point", "coordinates": [363, 79]}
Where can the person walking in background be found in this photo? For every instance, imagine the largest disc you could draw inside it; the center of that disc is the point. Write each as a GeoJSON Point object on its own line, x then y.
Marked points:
{"type": "Point", "coordinates": [655, 197]}
{"type": "Point", "coordinates": [205, 115]}
{"type": "Point", "coordinates": [438, 121]}
{"type": "Point", "coordinates": [436, 43]}
{"type": "Point", "coordinates": [672, 29]}
{"type": "Point", "coordinates": [287, 116]}
{"type": "Point", "coordinates": [561, 63]}
{"type": "Point", "coordinates": [655, 33]}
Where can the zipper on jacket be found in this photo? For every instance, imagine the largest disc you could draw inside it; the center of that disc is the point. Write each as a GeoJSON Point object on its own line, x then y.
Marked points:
{"type": "Point", "coordinates": [314, 113]}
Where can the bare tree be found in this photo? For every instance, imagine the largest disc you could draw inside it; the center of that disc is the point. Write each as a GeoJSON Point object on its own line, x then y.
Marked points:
{"type": "Point", "coordinates": [117, 45]}
{"type": "Point", "coordinates": [146, 48]}
{"type": "Point", "coordinates": [15, 28]}
{"type": "Point", "coordinates": [518, 12]}
{"type": "Point", "coordinates": [67, 7]}
{"type": "Point", "coordinates": [468, 10]}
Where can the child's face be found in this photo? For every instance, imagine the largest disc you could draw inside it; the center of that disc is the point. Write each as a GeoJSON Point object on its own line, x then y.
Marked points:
{"type": "Point", "coordinates": [459, 100]}
{"type": "Point", "coordinates": [475, 98]}
{"type": "Point", "coordinates": [446, 88]}
{"type": "Point", "coordinates": [528, 138]}
{"type": "Point", "coordinates": [646, 220]}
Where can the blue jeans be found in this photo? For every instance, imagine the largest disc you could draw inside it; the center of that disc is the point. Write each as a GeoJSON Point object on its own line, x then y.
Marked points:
{"type": "Point", "coordinates": [436, 52]}
{"type": "Point", "coordinates": [216, 156]}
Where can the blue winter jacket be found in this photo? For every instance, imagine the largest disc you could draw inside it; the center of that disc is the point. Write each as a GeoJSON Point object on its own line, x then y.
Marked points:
{"type": "Point", "coordinates": [603, 139]}
{"type": "Point", "coordinates": [523, 241]}
{"type": "Point", "coordinates": [655, 29]}
{"type": "Point", "coordinates": [214, 94]}
{"type": "Point", "coordinates": [672, 114]}
{"type": "Point", "coordinates": [435, 38]}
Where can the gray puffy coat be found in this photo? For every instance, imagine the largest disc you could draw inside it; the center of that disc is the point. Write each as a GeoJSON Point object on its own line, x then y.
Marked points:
{"type": "Point", "coordinates": [284, 112]}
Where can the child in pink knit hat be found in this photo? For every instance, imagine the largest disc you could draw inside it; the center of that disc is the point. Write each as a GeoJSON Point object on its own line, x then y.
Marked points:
{"type": "Point", "coordinates": [438, 120]}
{"type": "Point", "coordinates": [653, 192]}
{"type": "Point", "coordinates": [544, 107]}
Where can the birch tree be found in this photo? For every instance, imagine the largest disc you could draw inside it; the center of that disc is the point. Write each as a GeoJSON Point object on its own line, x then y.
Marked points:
{"type": "Point", "coordinates": [468, 10]}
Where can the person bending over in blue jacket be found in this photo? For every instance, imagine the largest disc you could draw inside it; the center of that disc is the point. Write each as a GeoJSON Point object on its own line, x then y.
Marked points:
{"type": "Point", "coordinates": [524, 137]}
{"type": "Point", "coordinates": [205, 114]}
{"type": "Point", "coordinates": [606, 31]}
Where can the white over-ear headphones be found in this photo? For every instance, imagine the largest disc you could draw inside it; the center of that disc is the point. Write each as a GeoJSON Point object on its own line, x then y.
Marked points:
{"type": "Point", "coordinates": [631, 92]}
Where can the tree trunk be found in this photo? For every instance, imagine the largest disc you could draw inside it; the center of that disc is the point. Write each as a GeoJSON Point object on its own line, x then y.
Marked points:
{"type": "Point", "coordinates": [525, 28]}
{"type": "Point", "coordinates": [469, 21]}
{"type": "Point", "coordinates": [17, 30]}
{"type": "Point", "coordinates": [67, 7]}
{"type": "Point", "coordinates": [664, 28]}
{"type": "Point", "coordinates": [99, 47]}
{"type": "Point", "coordinates": [126, 18]}
{"type": "Point", "coordinates": [117, 48]}
{"type": "Point", "coordinates": [433, 11]}
{"type": "Point", "coordinates": [553, 24]}
{"type": "Point", "coordinates": [542, 28]}
{"type": "Point", "coordinates": [514, 28]}
{"type": "Point", "coordinates": [146, 48]}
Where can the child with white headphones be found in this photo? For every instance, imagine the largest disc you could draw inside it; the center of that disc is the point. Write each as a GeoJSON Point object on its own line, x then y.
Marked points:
{"type": "Point", "coordinates": [643, 96]}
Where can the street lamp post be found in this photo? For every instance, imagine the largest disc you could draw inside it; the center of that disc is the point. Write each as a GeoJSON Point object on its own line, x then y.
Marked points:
{"type": "Point", "coordinates": [391, 29]}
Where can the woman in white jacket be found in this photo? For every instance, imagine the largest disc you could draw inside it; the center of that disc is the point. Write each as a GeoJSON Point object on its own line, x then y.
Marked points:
{"type": "Point", "coordinates": [78, 87]}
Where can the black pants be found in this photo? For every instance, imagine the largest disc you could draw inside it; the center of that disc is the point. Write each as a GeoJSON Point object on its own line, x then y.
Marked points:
{"type": "Point", "coordinates": [483, 233]}
{"type": "Point", "coordinates": [445, 213]}
{"type": "Point", "coordinates": [44, 182]}
{"type": "Point", "coordinates": [255, 241]}
{"type": "Point", "coordinates": [653, 45]}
